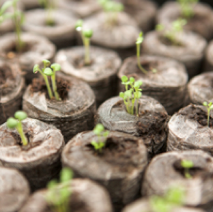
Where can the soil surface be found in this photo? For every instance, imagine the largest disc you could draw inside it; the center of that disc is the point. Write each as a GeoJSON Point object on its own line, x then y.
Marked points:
{"type": "Point", "coordinates": [208, 64]}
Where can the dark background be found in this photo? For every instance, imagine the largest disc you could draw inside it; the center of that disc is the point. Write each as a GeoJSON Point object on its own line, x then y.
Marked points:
{"type": "Point", "coordinates": [210, 2]}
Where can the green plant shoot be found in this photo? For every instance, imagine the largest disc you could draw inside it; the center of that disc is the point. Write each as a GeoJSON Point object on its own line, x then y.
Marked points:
{"type": "Point", "coordinates": [175, 29]}
{"type": "Point", "coordinates": [102, 137]}
{"type": "Point", "coordinates": [209, 107]}
{"type": "Point", "coordinates": [16, 123]}
{"type": "Point", "coordinates": [58, 194]}
{"type": "Point", "coordinates": [187, 164]}
{"type": "Point", "coordinates": [49, 71]}
{"type": "Point", "coordinates": [17, 17]}
{"type": "Point", "coordinates": [86, 36]}
{"type": "Point", "coordinates": [132, 94]}
{"type": "Point", "coordinates": [49, 6]}
{"type": "Point", "coordinates": [111, 9]}
{"type": "Point", "coordinates": [187, 7]}
{"type": "Point", "coordinates": [173, 198]}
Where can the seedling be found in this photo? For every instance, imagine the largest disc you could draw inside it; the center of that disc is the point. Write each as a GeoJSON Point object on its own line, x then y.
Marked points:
{"type": "Point", "coordinates": [132, 94]}
{"type": "Point", "coordinates": [102, 137]}
{"type": "Point", "coordinates": [17, 17]}
{"type": "Point", "coordinates": [49, 71]}
{"type": "Point", "coordinates": [173, 198]}
{"type": "Point", "coordinates": [187, 7]}
{"type": "Point", "coordinates": [86, 36]}
{"type": "Point", "coordinates": [16, 123]}
{"type": "Point", "coordinates": [111, 9]}
{"type": "Point", "coordinates": [209, 107]}
{"type": "Point", "coordinates": [59, 193]}
{"type": "Point", "coordinates": [49, 5]}
{"type": "Point", "coordinates": [172, 33]}
{"type": "Point", "coordinates": [187, 164]}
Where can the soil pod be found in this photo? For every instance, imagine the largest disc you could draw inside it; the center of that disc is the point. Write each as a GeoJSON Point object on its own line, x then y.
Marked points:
{"type": "Point", "coordinates": [165, 171]}
{"type": "Point", "coordinates": [120, 37]}
{"type": "Point", "coordinates": [151, 125]}
{"type": "Point", "coordinates": [100, 75]}
{"type": "Point", "coordinates": [144, 205]}
{"type": "Point", "coordinates": [14, 190]}
{"type": "Point", "coordinates": [61, 32]}
{"type": "Point", "coordinates": [118, 167]}
{"type": "Point", "coordinates": [39, 161]}
{"type": "Point", "coordinates": [201, 22]}
{"type": "Point", "coordinates": [208, 64]}
{"type": "Point", "coordinates": [86, 196]}
{"type": "Point", "coordinates": [81, 8]}
{"type": "Point", "coordinates": [73, 114]}
{"type": "Point", "coordinates": [190, 52]}
{"type": "Point", "coordinates": [188, 129]}
{"type": "Point", "coordinates": [200, 89]}
{"type": "Point", "coordinates": [167, 85]}
{"type": "Point", "coordinates": [36, 49]}
{"type": "Point", "coordinates": [11, 90]}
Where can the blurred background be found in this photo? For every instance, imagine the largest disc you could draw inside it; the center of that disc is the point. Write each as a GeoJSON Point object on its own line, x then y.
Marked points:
{"type": "Point", "coordinates": [210, 2]}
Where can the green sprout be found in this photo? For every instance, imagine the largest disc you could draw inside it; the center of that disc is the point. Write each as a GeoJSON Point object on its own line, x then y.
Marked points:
{"type": "Point", "coordinates": [49, 5]}
{"type": "Point", "coordinates": [102, 137]}
{"type": "Point", "coordinates": [173, 198]}
{"type": "Point", "coordinates": [16, 123]}
{"type": "Point", "coordinates": [187, 164]}
{"type": "Point", "coordinates": [49, 71]}
{"type": "Point", "coordinates": [86, 36]}
{"type": "Point", "coordinates": [187, 7]}
{"type": "Point", "coordinates": [171, 34]}
{"type": "Point", "coordinates": [111, 9]}
{"type": "Point", "coordinates": [17, 17]}
{"type": "Point", "coordinates": [209, 107]}
{"type": "Point", "coordinates": [59, 193]}
{"type": "Point", "coordinates": [132, 94]}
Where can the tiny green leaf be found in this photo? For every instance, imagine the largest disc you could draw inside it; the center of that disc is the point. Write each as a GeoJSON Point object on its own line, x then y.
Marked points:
{"type": "Point", "coordinates": [48, 71]}
{"type": "Point", "coordinates": [79, 24]}
{"type": "Point", "coordinates": [46, 63]}
{"type": "Point", "coordinates": [20, 115]}
{"type": "Point", "coordinates": [187, 164]}
{"type": "Point", "coordinates": [66, 175]}
{"type": "Point", "coordinates": [5, 6]}
{"type": "Point", "coordinates": [98, 128]}
{"type": "Point", "coordinates": [36, 69]}
{"type": "Point", "coordinates": [88, 33]}
{"type": "Point", "coordinates": [121, 94]}
{"type": "Point", "coordinates": [205, 104]}
{"type": "Point", "coordinates": [124, 78]}
{"type": "Point", "coordinates": [138, 84]}
{"type": "Point", "coordinates": [11, 123]}
{"type": "Point", "coordinates": [56, 67]}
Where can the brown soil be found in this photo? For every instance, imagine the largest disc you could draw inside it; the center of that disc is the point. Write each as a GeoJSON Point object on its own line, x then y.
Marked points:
{"type": "Point", "coordinates": [12, 52]}
{"type": "Point", "coordinates": [63, 86]}
{"type": "Point", "coordinates": [5, 74]}
{"type": "Point", "coordinates": [79, 63]}
{"type": "Point", "coordinates": [197, 114]}
{"type": "Point", "coordinates": [117, 153]}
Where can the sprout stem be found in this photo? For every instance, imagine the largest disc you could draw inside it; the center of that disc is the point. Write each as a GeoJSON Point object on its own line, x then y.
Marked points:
{"type": "Point", "coordinates": [48, 86]}
{"type": "Point", "coordinates": [87, 51]}
{"type": "Point", "coordinates": [138, 60]}
{"type": "Point", "coordinates": [208, 116]}
{"type": "Point", "coordinates": [54, 86]}
{"type": "Point", "coordinates": [21, 133]}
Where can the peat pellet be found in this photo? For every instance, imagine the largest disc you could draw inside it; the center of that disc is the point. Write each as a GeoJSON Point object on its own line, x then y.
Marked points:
{"type": "Point", "coordinates": [81, 8]}
{"type": "Point", "coordinates": [208, 63]}
{"type": "Point", "coordinates": [39, 161]}
{"type": "Point", "coordinates": [144, 205]}
{"type": "Point", "coordinates": [199, 89]}
{"type": "Point", "coordinates": [62, 30]}
{"type": "Point", "coordinates": [119, 167]}
{"type": "Point", "coordinates": [14, 190]}
{"type": "Point", "coordinates": [188, 130]}
{"type": "Point", "coordinates": [150, 125]}
{"type": "Point", "coordinates": [73, 114]}
{"type": "Point", "coordinates": [200, 23]}
{"type": "Point", "coordinates": [101, 75]}
{"type": "Point", "coordinates": [11, 90]}
{"type": "Point", "coordinates": [166, 171]}
{"type": "Point", "coordinates": [36, 48]}
{"type": "Point", "coordinates": [86, 196]}
{"type": "Point", "coordinates": [120, 37]}
{"type": "Point", "coordinates": [167, 85]}
{"type": "Point", "coordinates": [190, 52]}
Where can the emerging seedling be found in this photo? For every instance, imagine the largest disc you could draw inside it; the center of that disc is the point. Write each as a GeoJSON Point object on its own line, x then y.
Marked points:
{"type": "Point", "coordinates": [16, 16]}
{"type": "Point", "coordinates": [16, 123]}
{"type": "Point", "coordinates": [59, 193]}
{"type": "Point", "coordinates": [49, 6]}
{"type": "Point", "coordinates": [172, 33]}
{"type": "Point", "coordinates": [173, 198]}
{"type": "Point", "coordinates": [111, 9]}
{"type": "Point", "coordinates": [86, 36]}
{"type": "Point", "coordinates": [132, 94]}
{"type": "Point", "coordinates": [49, 71]}
{"type": "Point", "coordinates": [187, 7]}
{"type": "Point", "coordinates": [187, 164]}
{"type": "Point", "coordinates": [209, 107]}
{"type": "Point", "coordinates": [102, 137]}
